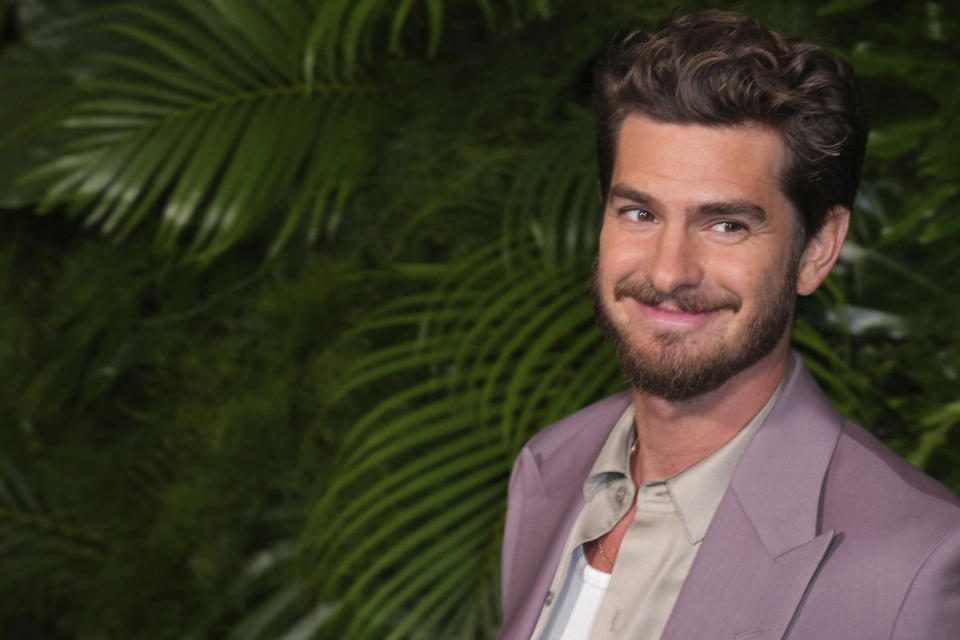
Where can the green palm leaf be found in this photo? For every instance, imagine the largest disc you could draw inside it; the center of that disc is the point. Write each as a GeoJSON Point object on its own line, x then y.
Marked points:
{"type": "Point", "coordinates": [38, 545]}
{"type": "Point", "coordinates": [555, 198]}
{"type": "Point", "coordinates": [408, 529]}
{"type": "Point", "coordinates": [212, 125]}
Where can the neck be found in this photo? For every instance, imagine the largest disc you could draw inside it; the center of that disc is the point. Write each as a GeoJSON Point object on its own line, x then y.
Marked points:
{"type": "Point", "coordinates": [673, 435]}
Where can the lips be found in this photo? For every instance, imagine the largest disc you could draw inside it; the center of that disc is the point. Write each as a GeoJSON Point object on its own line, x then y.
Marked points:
{"type": "Point", "coordinates": [665, 318]}
{"type": "Point", "coordinates": [680, 303]}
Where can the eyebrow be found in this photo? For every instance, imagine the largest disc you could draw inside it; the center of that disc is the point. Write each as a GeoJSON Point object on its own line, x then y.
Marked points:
{"type": "Point", "coordinates": [626, 193]}
{"type": "Point", "coordinates": [732, 208]}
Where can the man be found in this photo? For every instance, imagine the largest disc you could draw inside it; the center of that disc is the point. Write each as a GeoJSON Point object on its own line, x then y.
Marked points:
{"type": "Point", "coordinates": [722, 496]}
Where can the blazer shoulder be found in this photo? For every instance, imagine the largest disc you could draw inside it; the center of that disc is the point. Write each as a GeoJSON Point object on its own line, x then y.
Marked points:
{"type": "Point", "coordinates": [558, 458]}
{"type": "Point", "coordinates": [909, 520]}
{"type": "Point", "coordinates": [588, 425]}
{"type": "Point", "coordinates": [907, 477]}
{"type": "Point", "coordinates": [887, 493]}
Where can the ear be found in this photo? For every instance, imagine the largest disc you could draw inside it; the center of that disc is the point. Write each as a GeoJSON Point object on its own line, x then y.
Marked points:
{"type": "Point", "coordinates": [822, 251]}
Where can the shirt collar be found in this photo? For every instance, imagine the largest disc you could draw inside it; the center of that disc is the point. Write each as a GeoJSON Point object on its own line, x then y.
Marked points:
{"type": "Point", "coordinates": [614, 458]}
{"type": "Point", "coordinates": [697, 490]}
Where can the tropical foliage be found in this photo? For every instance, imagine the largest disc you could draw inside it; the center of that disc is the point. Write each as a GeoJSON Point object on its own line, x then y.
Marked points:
{"type": "Point", "coordinates": [287, 284]}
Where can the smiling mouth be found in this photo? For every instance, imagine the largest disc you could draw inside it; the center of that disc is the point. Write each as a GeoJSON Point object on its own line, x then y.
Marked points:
{"type": "Point", "coordinates": [669, 310]}
{"type": "Point", "coordinates": [668, 316]}
{"type": "Point", "coordinates": [680, 303]}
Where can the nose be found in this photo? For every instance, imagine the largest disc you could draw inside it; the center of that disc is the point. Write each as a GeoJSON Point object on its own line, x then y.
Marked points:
{"type": "Point", "coordinates": [675, 261]}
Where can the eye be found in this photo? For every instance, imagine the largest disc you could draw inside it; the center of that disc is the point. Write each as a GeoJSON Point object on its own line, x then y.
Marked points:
{"type": "Point", "coordinates": [728, 226]}
{"type": "Point", "coordinates": [637, 214]}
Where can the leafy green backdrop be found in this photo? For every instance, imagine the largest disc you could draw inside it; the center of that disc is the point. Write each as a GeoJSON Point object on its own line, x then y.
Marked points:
{"type": "Point", "coordinates": [286, 284]}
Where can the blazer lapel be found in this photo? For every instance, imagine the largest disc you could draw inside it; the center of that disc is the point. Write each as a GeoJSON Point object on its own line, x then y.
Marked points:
{"type": "Point", "coordinates": [735, 590]}
{"type": "Point", "coordinates": [764, 545]}
{"type": "Point", "coordinates": [552, 498]}
{"type": "Point", "coordinates": [542, 534]}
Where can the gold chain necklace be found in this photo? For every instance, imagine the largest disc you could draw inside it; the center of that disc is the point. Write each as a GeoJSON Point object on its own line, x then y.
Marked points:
{"type": "Point", "coordinates": [603, 555]}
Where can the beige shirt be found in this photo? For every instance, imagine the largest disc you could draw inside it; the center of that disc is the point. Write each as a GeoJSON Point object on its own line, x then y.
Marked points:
{"type": "Point", "coordinates": [661, 542]}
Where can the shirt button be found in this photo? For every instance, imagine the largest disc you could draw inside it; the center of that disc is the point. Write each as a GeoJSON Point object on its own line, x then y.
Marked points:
{"type": "Point", "coordinates": [549, 599]}
{"type": "Point", "coordinates": [621, 494]}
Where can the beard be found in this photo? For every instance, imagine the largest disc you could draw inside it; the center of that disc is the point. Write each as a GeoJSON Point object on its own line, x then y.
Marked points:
{"type": "Point", "coordinates": [671, 365]}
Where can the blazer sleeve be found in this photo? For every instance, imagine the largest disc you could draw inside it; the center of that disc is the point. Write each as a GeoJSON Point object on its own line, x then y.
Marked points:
{"type": "Point", "coordinates": [514, 509]}
{"type": "Point", "coordinates": [931, 608]}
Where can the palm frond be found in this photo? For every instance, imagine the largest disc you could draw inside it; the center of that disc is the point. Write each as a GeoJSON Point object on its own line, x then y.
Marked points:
{"type": "Point", "coordinates": [411, 518]}
{"type": "Point", "coordinates": [555, 197]}
{"type": "Point", "coordinates": [38, 546]}
{"type": "Point", "coordinates": [271, 607]}
{"type": "Point", "coordinates": [34, 92]}
{"type": "Point", "coordinates": [212, 124]}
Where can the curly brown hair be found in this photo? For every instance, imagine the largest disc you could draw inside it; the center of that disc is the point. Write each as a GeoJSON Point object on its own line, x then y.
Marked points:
{"type": "Point", "coordinates": [723, 69]}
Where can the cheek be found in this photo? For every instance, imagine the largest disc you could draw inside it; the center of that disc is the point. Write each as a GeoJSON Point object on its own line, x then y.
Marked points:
{"type": "Point", "coordinates": [758, 281]}
{"type": "Point", "coordinates": [749, 278]}
{"type": "Point", "coordinates": [606, 238]}
{"type": "Point", "coordinates": [619, 255]}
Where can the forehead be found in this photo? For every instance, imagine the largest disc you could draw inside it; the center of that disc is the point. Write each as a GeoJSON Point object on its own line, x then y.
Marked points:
{"type": "Point", "coordinates": [693, 162]}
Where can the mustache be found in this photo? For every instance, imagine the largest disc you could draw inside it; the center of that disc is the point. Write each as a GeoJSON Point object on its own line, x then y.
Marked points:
{"type": "Point", "coordinates": [686, 299]}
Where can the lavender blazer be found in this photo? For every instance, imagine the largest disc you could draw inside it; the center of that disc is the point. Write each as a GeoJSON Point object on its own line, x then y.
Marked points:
{"type": "Point", "coordinates": [823, 533]}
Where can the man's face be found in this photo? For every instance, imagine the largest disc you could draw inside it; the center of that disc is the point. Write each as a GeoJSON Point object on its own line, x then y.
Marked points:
{"type": "Point", "coordinates": [697, 271]}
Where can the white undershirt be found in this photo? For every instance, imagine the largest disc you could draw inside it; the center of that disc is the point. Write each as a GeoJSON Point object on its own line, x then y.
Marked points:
{"type": "Point", "coordinates": [579, 601]}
